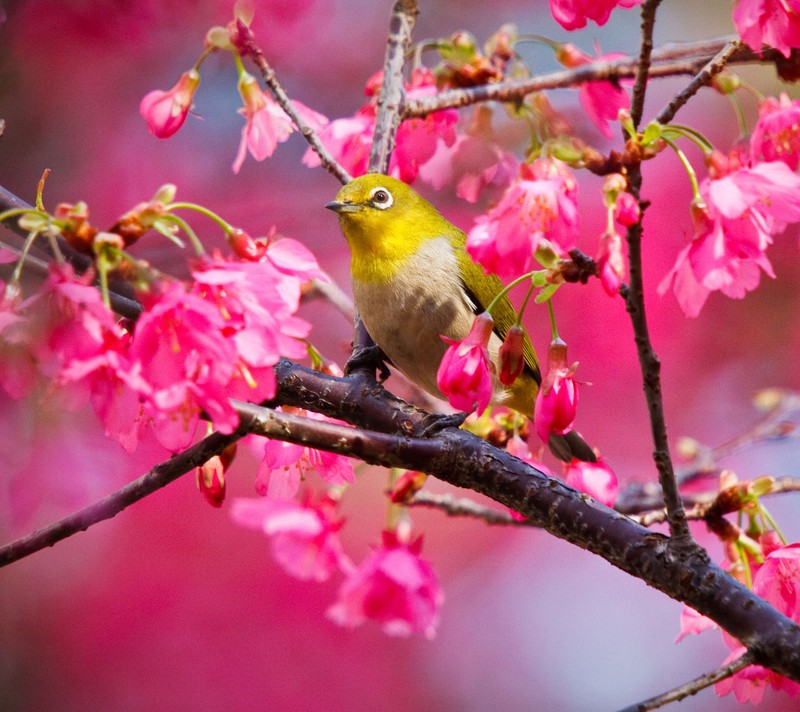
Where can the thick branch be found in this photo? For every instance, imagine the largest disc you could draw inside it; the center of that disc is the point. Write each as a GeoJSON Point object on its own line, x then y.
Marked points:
{"type": "Point", "coordinates": [465, 460]}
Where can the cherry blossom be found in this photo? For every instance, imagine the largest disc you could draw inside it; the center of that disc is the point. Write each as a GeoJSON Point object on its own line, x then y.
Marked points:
{"type": "Point", "coordinates": [266, 123]}
{"type": "Point", "coordinates": [395, 587]}
{"type": "Point", "coordinates": [304, 535]}
{"type": "Point", "coordinates": [573, 14]}
{"type": "Point", "coordinates": [284, 465]}
{"type": "Point", "coordinates": [772, 22]}
{"type": "Point", "coordinates": [165, 111]}
{"type": "Point", "coordinates": [739, 213]}
{"type": "Point", "coordinates": [601, 100]}
{"type": "Point", "coordinates": [541, 202]}
{"type": "Point", "coordinates": [465, 373]}
{"type": "Point", "coordinates": [595, 478]}
{"type": "Point", "coordinates": [187, 363]}
{"type": "Point", "coordinates": [611, 261]}
{"type": "Point", "coordinates": [776, 136]}
{"type": "Point", "coordinates": [557, 399]}
{"type": "Point", "coordinates": [350, 139]}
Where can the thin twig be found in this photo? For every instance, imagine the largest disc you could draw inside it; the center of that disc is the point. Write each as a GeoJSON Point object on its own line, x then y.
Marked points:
{"type": "Point", "coordinates": [106, 508]}
{"type": "Point", "coordinates": [693, 687]}
{"type": "Point", "coordinates": [390, 99]}
{"type": "Point", "coordinates": [703, 77]}
{"type": "Point", "coordinates": [334, 294]}
{"type": "Point", "coordinates": [668, 60]}
{"type": "Point", "coordinates": [698, 506]}
{"type": "Point", "coordinates": [634, 302]}
{"type": "Point", "coordinates": [463, 507]}
{"type": "Point", "coordinates": [251, 49]}
{"type": "Point", "coordinates": [645, 51]}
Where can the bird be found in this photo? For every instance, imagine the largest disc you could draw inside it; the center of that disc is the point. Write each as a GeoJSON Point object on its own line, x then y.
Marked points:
{"type": "Point", "coordinates": [414, 283]}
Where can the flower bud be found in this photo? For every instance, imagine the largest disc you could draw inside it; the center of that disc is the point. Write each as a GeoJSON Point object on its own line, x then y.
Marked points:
{"type": "Point", "coordinates": [165, 111]}
{"type": "Point", "coordinates": [511, 357]}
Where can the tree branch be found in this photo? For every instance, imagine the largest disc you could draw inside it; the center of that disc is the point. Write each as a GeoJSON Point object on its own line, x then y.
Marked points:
{"type": "Point", "coordinates": [464, 460]}
{"type": "Point", "coordinates": [160, 476]}
{"type": "Point", "coordinates": [693, 687]}
{"type": "Point", "coordinates": [401, 24]}
{"type": "Point", "coordinates": [645, 51]}
{"type": "Point", "coordinates": [248, 47]}
{"type": "Point", "coordinates": [669, 60]}
{"type": "Point", "coordinates": [703, 77]}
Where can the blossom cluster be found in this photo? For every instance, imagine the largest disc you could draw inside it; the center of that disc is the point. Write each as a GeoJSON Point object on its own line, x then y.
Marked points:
{"type": "Point", "coordinates": [194, 346]}
{"type": "Point", "coordinates": [393, 586]}
{"type": "Point", "coordinates": [774, 574]}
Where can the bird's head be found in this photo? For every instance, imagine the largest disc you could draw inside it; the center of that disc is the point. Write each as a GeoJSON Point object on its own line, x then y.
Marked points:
{"type": "Point", "coordinates": [382, 218]}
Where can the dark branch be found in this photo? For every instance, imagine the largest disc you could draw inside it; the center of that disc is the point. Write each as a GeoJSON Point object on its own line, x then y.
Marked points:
{"type": "Point", "coordinates": [247, 45]}
{"type": "Point", "coordinates": [703, 77]}
{"type": "Point", "coordinates": [645, 51]}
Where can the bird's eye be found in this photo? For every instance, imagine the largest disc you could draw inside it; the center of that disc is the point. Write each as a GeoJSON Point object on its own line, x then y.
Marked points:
{"type": "Point", "coordinates": [381, 198]}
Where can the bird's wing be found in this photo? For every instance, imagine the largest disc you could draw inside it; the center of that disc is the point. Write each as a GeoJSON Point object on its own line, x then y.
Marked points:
{"type": "Point", "coordinates": [486, 287]}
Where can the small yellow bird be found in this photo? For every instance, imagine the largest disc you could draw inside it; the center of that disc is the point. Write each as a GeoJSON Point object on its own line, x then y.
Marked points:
{"type": "Point", "coordinates": [413, 282]}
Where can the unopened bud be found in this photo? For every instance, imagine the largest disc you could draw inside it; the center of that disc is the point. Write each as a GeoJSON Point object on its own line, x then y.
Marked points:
{"type": "Point", "coordinates": [511, 357]}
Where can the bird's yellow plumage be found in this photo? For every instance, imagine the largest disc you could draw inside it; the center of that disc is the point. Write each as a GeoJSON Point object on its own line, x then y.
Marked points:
{"type": "Point", "coordinates": [413, 282]}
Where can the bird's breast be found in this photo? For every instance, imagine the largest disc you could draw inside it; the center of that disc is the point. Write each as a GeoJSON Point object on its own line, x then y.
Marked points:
{"type": "Point", "coordinates": [408, 314]}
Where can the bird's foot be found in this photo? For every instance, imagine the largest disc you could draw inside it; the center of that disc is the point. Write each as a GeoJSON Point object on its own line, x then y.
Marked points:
{"type": "Point", "coordinates": [434, 423]}
{"type": "Point", "coordinates": [368, 358]}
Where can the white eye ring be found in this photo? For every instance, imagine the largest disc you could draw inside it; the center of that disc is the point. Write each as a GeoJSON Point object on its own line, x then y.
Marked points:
{"type": "Point", "coordinates": [381, 198]}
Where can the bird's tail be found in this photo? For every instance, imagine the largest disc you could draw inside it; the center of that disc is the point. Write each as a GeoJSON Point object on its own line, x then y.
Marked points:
{"type": "Point", "coordinates": [565, 447]}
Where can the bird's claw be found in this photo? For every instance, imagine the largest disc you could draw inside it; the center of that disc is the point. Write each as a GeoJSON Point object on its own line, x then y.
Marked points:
{"type": "Point", "coordinates": [434, 423]}
{"type": "Point", "coordinates": [370, 358]}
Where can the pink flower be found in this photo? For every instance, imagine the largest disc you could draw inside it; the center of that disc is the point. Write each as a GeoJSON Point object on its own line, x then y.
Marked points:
{"type": "Point", "coordinates": [693, 623]}
{"type": "Point", "coordinates": [211, 476]}
{"type": "Point", "coordinates": [776, 136]}
{"type": "Point", "coordinates": [393, 586]}
{"type": "Point", "coordinates": [165, 111]}
{"type": "Point", "coordinates": [17, 362]}
{"type": "Point", "coordinates": [304, 535]}
{"type": "Point", "coordinates": [511, 358]}
{"type": "Point", "coordinates": [465, 373]}
{"type": "Point", "coordinates": [266, 123]}
{"type": "Point", "coordinates": [626, 209]}
{"type": "Point", "coordinates": [349, 140]}
{"type": "Point", "coordinates": [418, 139]}
{"type": "Point", "coordinates": [573, 14]}
{"type": "Point", "coordinates": [284, 465]}
{"type": "Point", "coordinates": [473, 162]}
{"type": "Point", "coordinates": [777, 581]}
{"type": "Point", "coordinates": [750, 684]}
{"type": "Point", "coordinates": [611, 261]}
{"type": "Point", "coordinates": [557, 399]}
{"type": "Point", "coordinates": [743, 209]}
{"type": "Point", "coordinates": [542, 202]}
{"type": "Point", "coordinates": [772, 22]}
{"type": "Point", "coordinates": [597, 479]}
{"type": "Point", "coordinates": [257, 301]}
{"type": "Point", "coordinates": [186, 362]}
{"type": "Point", "coordinates": [601, 100]}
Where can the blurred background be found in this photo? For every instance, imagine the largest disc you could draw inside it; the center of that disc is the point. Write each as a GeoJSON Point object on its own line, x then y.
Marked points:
{"type": "Point", "coordinates": [169, 606]}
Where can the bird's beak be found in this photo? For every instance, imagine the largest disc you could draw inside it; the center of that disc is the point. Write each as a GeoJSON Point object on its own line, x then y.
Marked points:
{"type": "Point", "coordinates": [339, 207]}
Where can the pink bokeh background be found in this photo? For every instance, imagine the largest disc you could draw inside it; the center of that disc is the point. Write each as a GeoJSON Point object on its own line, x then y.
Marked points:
{"type": "Point", "coordinates": [170, 606]}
